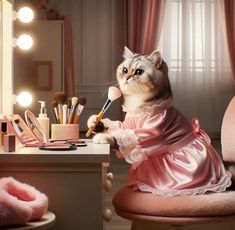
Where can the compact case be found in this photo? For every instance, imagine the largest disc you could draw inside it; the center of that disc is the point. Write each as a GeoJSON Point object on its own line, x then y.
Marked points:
{"type": "Point", "coordinates": [32, 135]}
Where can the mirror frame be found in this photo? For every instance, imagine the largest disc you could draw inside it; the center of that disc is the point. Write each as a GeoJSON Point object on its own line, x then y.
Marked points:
{"type": "Point", "coordinates": [6, 52]}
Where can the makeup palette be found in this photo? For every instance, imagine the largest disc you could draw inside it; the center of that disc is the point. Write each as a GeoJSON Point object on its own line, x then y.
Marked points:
{"type": "Point", "coordinates": [31, 134]}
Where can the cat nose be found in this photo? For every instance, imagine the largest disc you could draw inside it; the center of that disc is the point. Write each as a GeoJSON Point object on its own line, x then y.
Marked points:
{"type": "Point", "coordinates": [127, 77]}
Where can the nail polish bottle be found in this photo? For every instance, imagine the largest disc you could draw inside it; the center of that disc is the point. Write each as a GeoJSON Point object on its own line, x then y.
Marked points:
{"type": "Point", "coordinates": [3, 132]}
{"type": "Point", "coordinates": [9, 143]}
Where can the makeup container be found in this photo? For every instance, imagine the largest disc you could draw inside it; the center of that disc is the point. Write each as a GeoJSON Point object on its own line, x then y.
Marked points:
{"type": "Point", "coordinates": [65, 131]}
{"type": "Point", "coordinates": [3, 132]}
{"type": "Point", "coordinates": [9, 143]}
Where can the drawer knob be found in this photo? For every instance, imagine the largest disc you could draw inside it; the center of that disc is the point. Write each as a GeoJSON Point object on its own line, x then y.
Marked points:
{"type": "Point", "coordinates": [109, 176]}
{"type": "Point", "coordinates": [107, 185]}
{"type": "Point", "coordinates": [107, 214]}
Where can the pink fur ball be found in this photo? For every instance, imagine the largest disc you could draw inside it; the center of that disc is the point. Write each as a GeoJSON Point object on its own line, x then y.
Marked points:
{"type": "Point", "coordinates": [20, 202]}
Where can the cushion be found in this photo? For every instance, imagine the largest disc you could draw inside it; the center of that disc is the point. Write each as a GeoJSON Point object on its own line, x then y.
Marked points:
{"type": "Point", "coordinates": [143, 203]}
{"type": "Point", "coordinates": [228, 133]}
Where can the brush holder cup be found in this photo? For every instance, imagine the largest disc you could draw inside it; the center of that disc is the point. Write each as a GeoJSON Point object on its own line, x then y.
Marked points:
{"type": "Point", "coordinates": [65, 131]}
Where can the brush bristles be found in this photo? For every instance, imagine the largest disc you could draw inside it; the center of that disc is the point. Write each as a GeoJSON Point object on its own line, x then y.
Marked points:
{"type": "Point", "coordinates": [82, 101]}
{"type": "Point", "coordinates": [114, 93]}
{"type": "Point", "coordinates": [74, 101]}
{"type": "Point", "coordinates": [59, 97]}
{"type": "Point", "coordinates": [54, 104]}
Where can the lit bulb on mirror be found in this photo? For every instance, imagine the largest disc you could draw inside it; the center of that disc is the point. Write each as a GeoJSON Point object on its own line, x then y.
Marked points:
{"type": "Point", "coordinates": [24, 99]}
{"type": "Point", "coordinates": [24, 41]}
{"type": "Point", "coordinates": [25, 14]}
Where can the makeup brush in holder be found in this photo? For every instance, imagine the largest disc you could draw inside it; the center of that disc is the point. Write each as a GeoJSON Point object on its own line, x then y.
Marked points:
{"type": "Point", "coordinates": [60, 98]}
{"type": "Point", "coordinates": [79, 109]}
{"type": "Point", "coordinates": [113, 94]}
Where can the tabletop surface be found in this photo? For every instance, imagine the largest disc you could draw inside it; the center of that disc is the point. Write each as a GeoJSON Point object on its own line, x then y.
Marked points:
{"type": "Point", "coordinates": [92, 153]}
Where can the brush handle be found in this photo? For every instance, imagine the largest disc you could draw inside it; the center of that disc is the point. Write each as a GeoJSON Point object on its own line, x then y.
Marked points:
{"type": "Point", "coordinates": [98, 119]}
{"type": "Point", "coordinates": [56, 116]}
{"type": "Point", "coordinates": [64, 109]}
{"type": "Point", "coordinates": [77, 113]}
{"type": "Point", "coordinates": [71, 114]}
{"type": "Point", "coordinates": [60, 111]}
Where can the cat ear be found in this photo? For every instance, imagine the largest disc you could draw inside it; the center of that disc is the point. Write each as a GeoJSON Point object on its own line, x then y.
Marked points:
{"type": "Point", "coordinates": [127, 53]}
{"type": "Point", "coordinates": [156, 58]}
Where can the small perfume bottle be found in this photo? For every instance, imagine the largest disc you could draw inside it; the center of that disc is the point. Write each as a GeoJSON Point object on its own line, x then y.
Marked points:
{"type": "Point", "coordinates": [3, 131]}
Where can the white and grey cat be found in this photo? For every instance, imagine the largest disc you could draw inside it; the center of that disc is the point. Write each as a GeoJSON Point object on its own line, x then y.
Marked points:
{"type": "Point", "coordinates": [143, 80]}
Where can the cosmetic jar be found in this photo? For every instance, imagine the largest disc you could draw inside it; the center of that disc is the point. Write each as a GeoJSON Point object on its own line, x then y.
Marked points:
{"type": "Point", "coordinates": [65, 131]}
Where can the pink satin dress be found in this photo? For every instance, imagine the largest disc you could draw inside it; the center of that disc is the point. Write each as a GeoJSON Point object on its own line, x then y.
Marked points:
{"type": "Point", "coordinates": [168, 155]}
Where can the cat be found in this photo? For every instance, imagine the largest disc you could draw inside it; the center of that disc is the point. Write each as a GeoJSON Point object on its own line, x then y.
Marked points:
{"type": "Point", "coordinates": [139, 87]}
{"type": "Point", "coordinates": [168, 154]}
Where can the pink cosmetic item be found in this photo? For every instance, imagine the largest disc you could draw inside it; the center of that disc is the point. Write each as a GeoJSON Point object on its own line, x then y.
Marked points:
{"type": "Point", "coordinates": [9, 143]}
{"type": "Point", "coordinates": [113, 94]}
{"type": "Point", "coordinates": [65, 132]}
{"type": "Point", "coordinates": [3, 132]}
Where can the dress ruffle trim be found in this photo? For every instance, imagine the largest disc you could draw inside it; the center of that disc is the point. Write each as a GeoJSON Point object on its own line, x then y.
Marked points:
{"type": "Point", "coordinates": [149, 108]}
{"type": "Point", "coordinates": [221, 186]}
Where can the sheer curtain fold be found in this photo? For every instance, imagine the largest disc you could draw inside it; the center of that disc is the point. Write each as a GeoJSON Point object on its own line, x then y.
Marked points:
{"type": "Point", "coordinates": [192, 44]}
{"type": "Point", "coordinates": [144, 21]}
{"type": "Point", "coordinates": [227, 11]}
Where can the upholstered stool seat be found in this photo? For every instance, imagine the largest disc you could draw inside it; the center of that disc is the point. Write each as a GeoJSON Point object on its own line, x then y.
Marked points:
{"type": "Point", "coordinates": [176, 210]}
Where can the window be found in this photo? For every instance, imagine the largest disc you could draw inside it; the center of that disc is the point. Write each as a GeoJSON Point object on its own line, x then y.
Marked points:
{"type": "Point", "coordinates": [193, 46]}
{"type": "Point", "coordinates": [191, 36]}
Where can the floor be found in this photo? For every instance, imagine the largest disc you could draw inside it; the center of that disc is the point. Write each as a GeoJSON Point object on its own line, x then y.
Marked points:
{"type": "Point", "coordinates": [119, 168]}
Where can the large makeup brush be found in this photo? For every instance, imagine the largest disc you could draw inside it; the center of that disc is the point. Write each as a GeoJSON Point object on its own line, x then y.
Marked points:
{"type": "Point", "coordinates": [60, 98]}
{"type": "Point", "coordinates": [79, 109]}
{"type": "Point", "coordinates": [74, 102]}
{"type": "Point", "coordinates": [113, 94]}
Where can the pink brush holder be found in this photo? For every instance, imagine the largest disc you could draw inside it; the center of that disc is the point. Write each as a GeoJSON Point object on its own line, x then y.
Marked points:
{"type": "Point", "coordinates": [64, 131]}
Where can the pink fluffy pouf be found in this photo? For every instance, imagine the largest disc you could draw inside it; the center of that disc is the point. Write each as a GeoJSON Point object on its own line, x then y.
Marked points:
{"type": "Point", "coordinates": [20, 202]}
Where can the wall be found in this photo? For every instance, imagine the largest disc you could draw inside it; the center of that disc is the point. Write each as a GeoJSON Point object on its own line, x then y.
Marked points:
{"type": "Point", "coordinates": [98, 45]}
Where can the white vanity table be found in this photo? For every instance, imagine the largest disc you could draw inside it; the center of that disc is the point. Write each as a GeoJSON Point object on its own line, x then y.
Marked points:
{"type": "Point", "coordinates": [71, 179]}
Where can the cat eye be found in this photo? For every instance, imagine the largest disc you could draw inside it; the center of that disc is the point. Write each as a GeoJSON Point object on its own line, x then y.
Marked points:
{"type": "Point", "coordinates": [124, 70]}
{"type": "Point", "coordinates": [138, 72]}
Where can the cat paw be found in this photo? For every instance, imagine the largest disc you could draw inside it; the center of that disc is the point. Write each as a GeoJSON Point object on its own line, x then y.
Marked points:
{"type": "Point", "coordinates": [91, 121]}
{"type": "Point", "coordinates": [104, 138]}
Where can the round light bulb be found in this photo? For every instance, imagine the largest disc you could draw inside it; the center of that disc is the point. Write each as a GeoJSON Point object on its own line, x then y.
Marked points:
{"type": "Point", "coordinates": [24, 99]}
{"type": "Point", "coordinates": [25, 14]}
{"type": "Point", "coordinates": [25, 41]}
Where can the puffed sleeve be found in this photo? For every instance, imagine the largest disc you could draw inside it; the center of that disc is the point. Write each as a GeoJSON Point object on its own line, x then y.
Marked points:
{"type": "Point", "coordinates": [135, 144]}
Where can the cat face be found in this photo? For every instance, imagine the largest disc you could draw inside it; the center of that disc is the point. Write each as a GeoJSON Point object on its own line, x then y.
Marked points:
{"type": "Point", "coordinates": [143, 75]}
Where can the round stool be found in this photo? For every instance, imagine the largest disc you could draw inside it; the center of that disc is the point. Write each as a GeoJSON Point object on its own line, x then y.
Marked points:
{"type": "Point", "coordinates": [145, 209]}
{"type": "Point", "coordinates": [46, 222]}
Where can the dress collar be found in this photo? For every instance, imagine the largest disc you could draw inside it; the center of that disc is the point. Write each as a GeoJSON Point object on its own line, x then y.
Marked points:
{"type": "Point", "coordinates": [154, 106]}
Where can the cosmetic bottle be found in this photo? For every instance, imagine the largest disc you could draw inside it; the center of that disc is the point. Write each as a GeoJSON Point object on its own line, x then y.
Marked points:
{"type": "Point", "coordinates": [9, 143]}
{"type": "Point", "coordinates": [43, 119]}
{"type": "Point", "coordinates": [3, 131]}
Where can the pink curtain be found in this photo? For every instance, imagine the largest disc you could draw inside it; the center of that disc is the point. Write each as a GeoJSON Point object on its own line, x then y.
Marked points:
{"type": "Point", "coordinates": [68, 59]}
{"type": "Point", "coordinates": [227, 10]}
{"type": "Point", "coordinates": [144, 19]}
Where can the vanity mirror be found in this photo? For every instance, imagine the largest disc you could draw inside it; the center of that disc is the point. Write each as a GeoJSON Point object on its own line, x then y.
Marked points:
{"type": "Point", "coordinates": [84, 62]}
